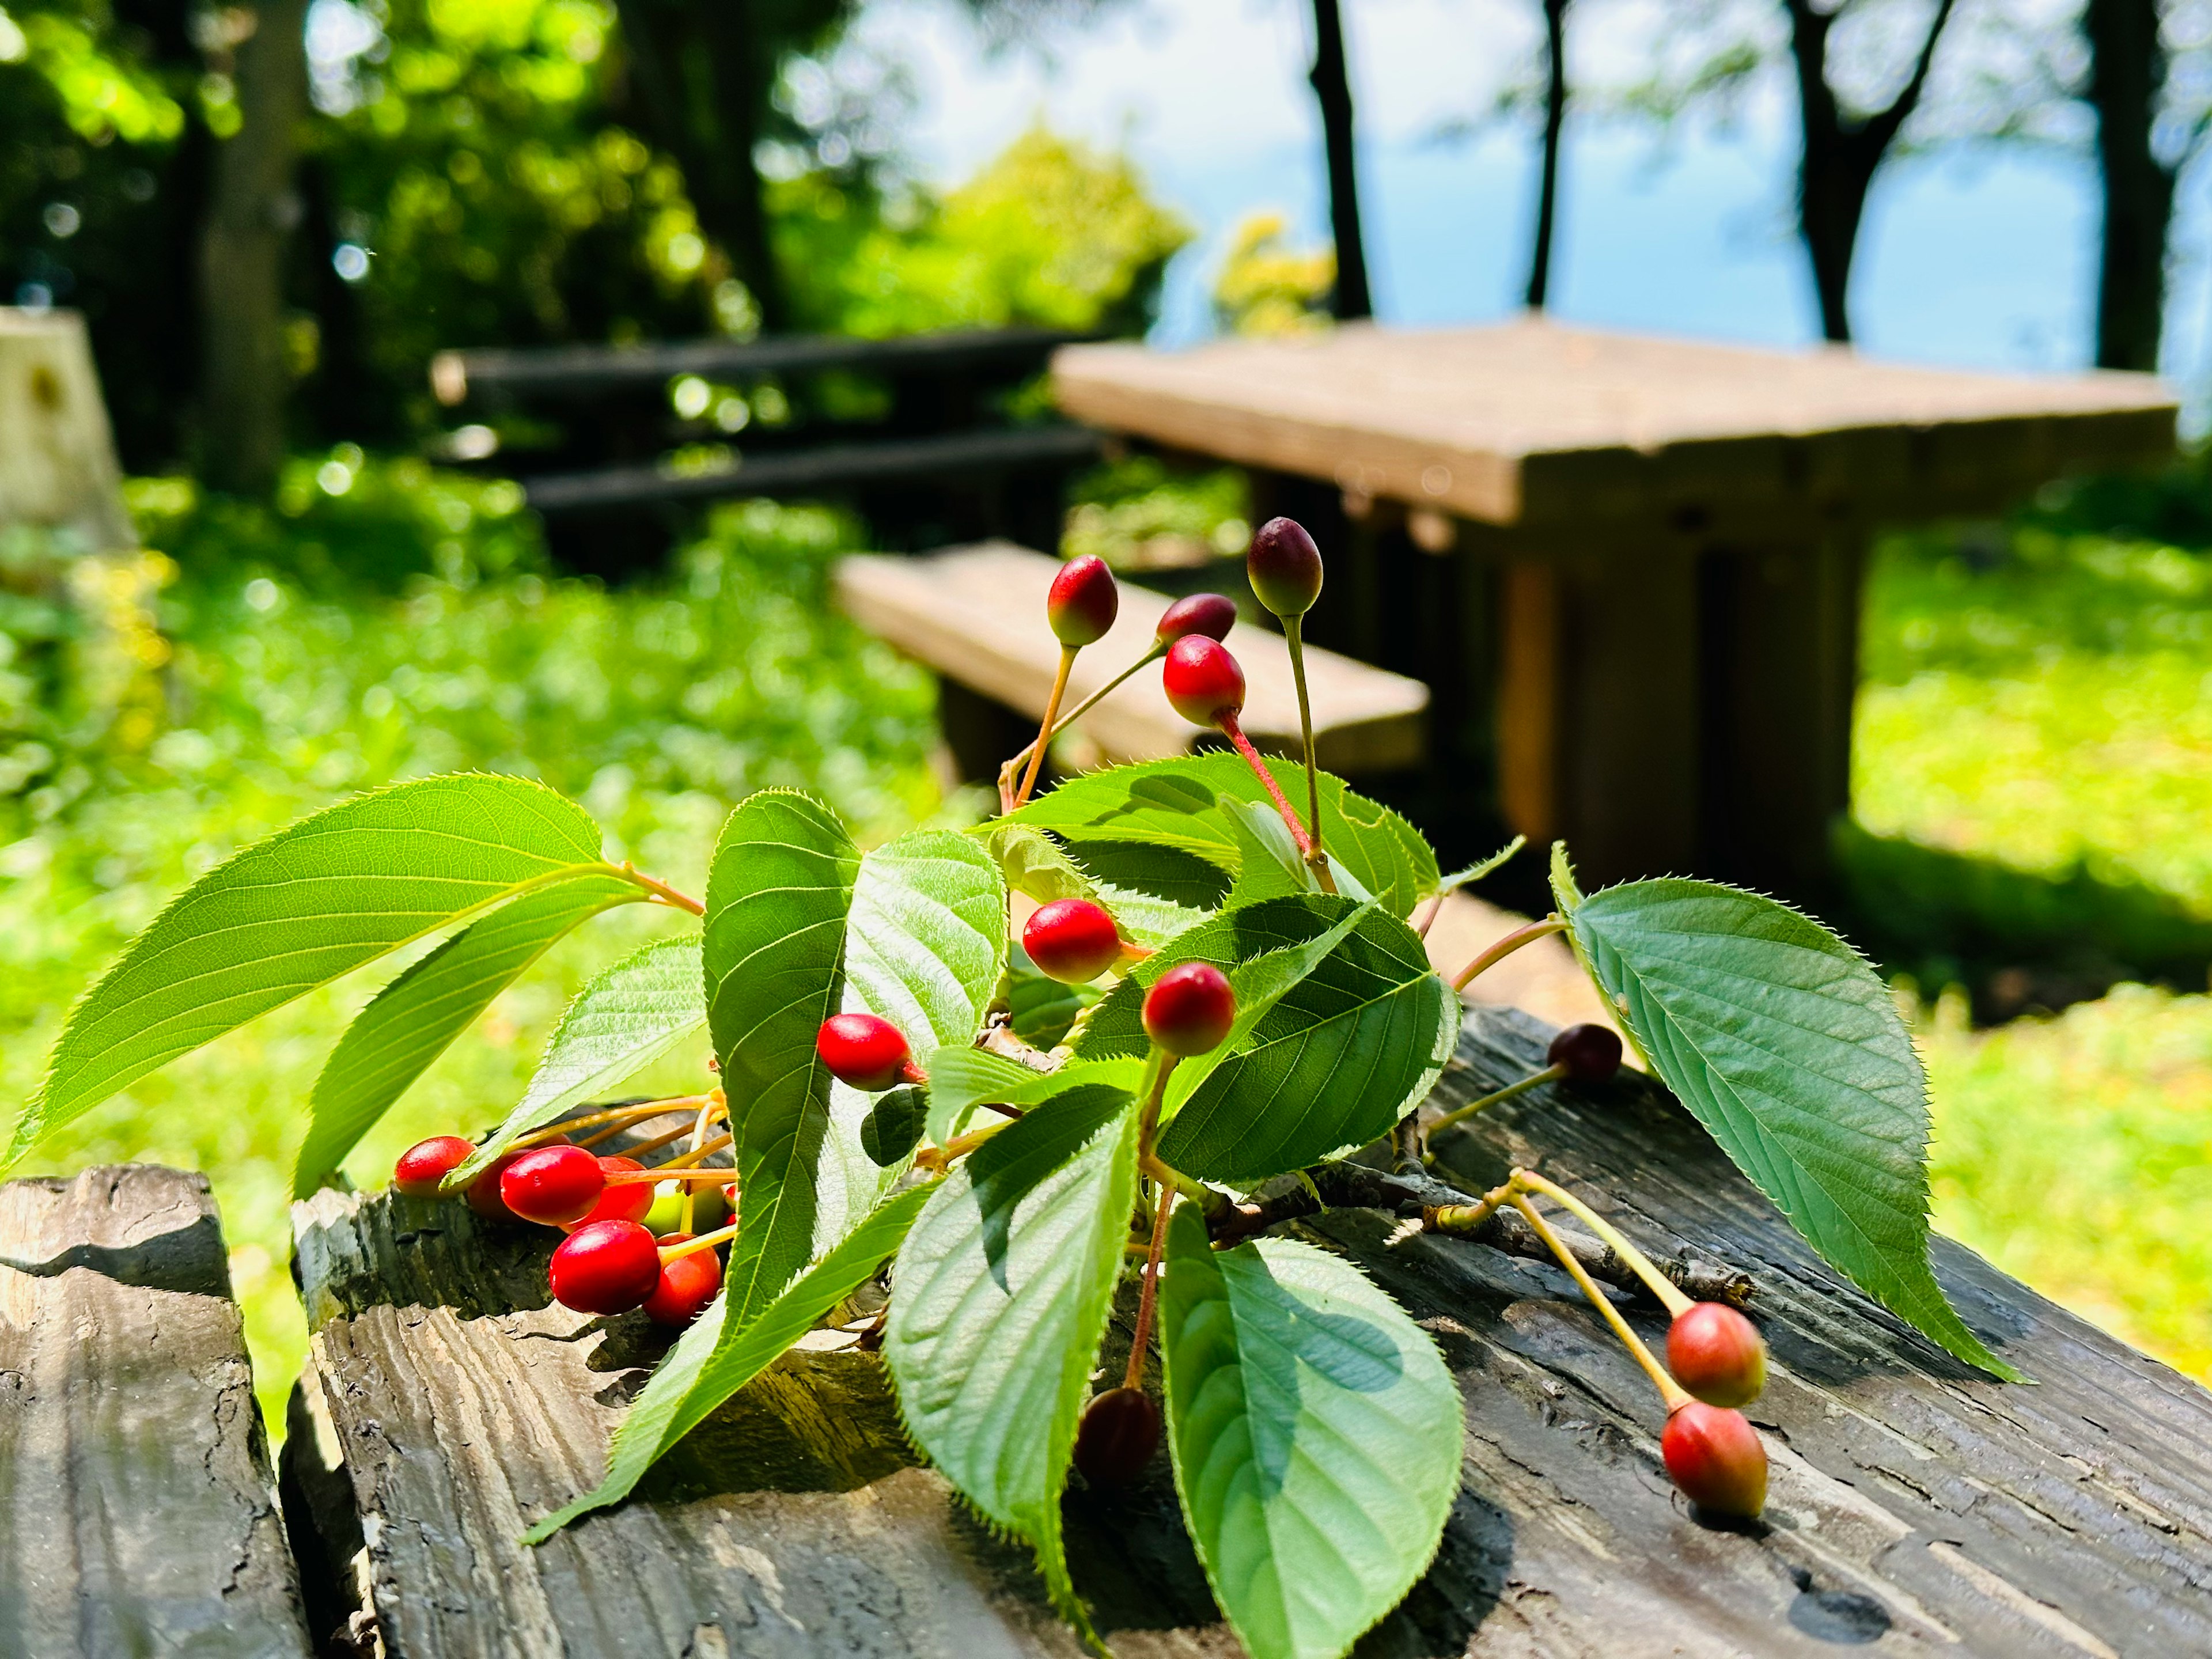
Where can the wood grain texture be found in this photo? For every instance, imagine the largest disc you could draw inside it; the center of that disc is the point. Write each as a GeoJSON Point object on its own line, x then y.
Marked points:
{"type": "Point", "coordinates": [976, 615]}
{"type": "Point", "coordinates": [1528, 423]}
{"type": "Point", "coordinates": [1915, 1507]}
{"type": "Point", "coordinates": [136, 1510]}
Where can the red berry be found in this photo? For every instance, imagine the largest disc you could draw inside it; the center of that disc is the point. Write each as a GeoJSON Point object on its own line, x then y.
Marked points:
{"type": "Point", "coordinates": [862, 1051]}
{"type": "Point", "coordinates": [1119, 1433]}
{"type": "Point", "coordinates": [608, 1267]}
{"type": "Point", "coordinates": [427, 1162]}
{"type": "Point", "coordinates": [1190, 1009]}
{"type": "Point", "coordinates": [483, 1195]}
{"type": "Point", "coordinates": [687, 1286]}
{"type": "Point", "coordinates": [1072, 939]}
{"type": "Point", "coordinates": [1083, 601]}
{"type": "Point", "coordinates": [627, 1201]}
{"type": "Point", "coordinates": [1211, 614]}
{"type": "Point", "coordinates": [1284, 567]}
{"type": "Point", "coordinates": [553, 1185]}
{"type": "Point", "coordinates": [1587, 1053]}
{"type": "Point", "coordinates": [1717, 1354]}
{"type": "Point", "coordinates": [1715, 1459]}
{"type": "Point", "coordinates": [1202, 680]}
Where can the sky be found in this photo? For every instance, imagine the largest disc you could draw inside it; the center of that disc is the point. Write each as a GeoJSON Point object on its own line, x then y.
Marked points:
{"type": "Point", "coordinates": [1977, 256]}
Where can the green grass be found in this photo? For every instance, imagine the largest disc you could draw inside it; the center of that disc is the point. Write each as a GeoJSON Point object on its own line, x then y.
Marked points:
{"type": "Point", "coordinates": [2034, 736]}
{"type": "Point", "coordinates": [301, 675]}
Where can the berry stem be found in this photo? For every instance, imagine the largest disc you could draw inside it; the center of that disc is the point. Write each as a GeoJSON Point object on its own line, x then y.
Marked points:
{"type": "Point", "coordinates": [617, 1116]}
{"type": "Point", "coordinates": [1074, 714]}
{"type": "Point", "coordinates": [1134, 1377]}
{"type": "Point", "coordinates": [662, 891]}
{"type": "Point", "coordinates": [1671, 1393]}
{"type": "Point", "coordinates": [655, 1175]}
{"type": "Point", "coordinates": [1549, 1074]}
{"type": "Point", "coordinates": [1158, 1066]}
{"type": "Point", "coordinates": [1505, 947]}
{"type": "Point", "coordinates": [1670, 1293]}
{"type": "Point", "coordinates": [1293, 627]}
{"type": "Point", "coordinates": [698, 1140]}
{"type": "Point", "coordinates": [699, 1154]}
{"type": "Point", "coordinates": [692, 1246]}
{"type": "Point", "coordinates": [1044, 728]}
{"type": "Point", "coordinates": [653, 1145]}
{"type": "Point", "coordinates": [1299, 836]}
{"type": "Point", "coordinates": [942, 1157]}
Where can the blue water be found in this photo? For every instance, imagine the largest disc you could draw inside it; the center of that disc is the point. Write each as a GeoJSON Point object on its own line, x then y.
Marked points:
{"type": "Point", "coordinates": [1982, 258]}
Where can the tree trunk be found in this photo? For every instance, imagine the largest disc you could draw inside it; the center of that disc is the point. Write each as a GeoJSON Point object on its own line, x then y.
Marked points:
{"type": "Point", "coordinates": [251, 212]}
{"type": "Point", "coordinates": [701, 82]}
{"type": "Point", "coordinates": [1841, 155]}
{"type": "Point", "coordinates": [2127, 74]}
{"type": "Point", "coordinates": [1332, 85]}
{"type": "Point", "coordinates": [1555, 115]}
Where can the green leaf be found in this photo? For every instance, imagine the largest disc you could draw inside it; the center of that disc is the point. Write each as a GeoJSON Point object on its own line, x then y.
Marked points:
{"type": "Point", "coordinates": [1180, 805]}
{"type": "Point", "coordinates": [1481, 868]}
{"type": "Point", "coordinates": [961, 1079]}
{"type": "Point", "coordinates": [1162, 902]}
{"type": "Point", "coordinates": [893, 1127]}
{"type": "Point", "coordinates": [1041, 1009]}
{"type": "Point", "coordinates": [414, 1020]}
{"type": "Point", "coordinates": [630, 1016]}
{"type": "Point", "coordinates": [1568, 896]}
{"type": "Point", "coordinates": [1345, 1037]}
{"type": "Point", "coordinates": [1315, 1437]}
{"type": "Point", "coordinates": [772, 953]}
{"type": "Point", "coordinates": [1786, 1046]}
{"type": "Point", "coordinates": [329, 893]}
{"type": "Point", "coordinates": [999, 1301]}
{"type": "Point", "coordinates": [712, 1361]}
{"type": "Point", "coordinates": [1185, 880]}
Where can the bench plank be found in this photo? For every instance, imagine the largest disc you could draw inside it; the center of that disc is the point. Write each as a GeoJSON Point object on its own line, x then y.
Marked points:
{"type": "Point", "coordinates": [1915, 1507]}
{"type": "Point", "coordinates": [136, 1510]}
{"type": "Point", "coordinates": [976, 615]}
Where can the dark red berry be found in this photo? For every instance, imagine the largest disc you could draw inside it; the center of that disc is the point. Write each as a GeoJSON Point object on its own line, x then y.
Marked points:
{"type": "Point", "coordinates": [1119, 1433]}
{"type": "Point", "coordinates": [627, 1201]}
{"type": "Point", "coordinates": [1190, 1008]}
{"type": "Point", "coordinates": [1587, 1053]}
{"type": "Point", "coordinates": [687, 1286]}
{"type": "Point", "coordinates": [1284, 567]}
{"type": "Point", "coordinates": [862, 1051]}
{"type": "Point", "coordinates": [1072, 940]}
{"type": "Point", "coordinates": [1202, 680]}
{"type": "Point", "coordinates": [608, 1267]}
{"type": "Point", "coordinates": [1717, 1354]}
{"type": "Point", "coordinates": [483, 1195]}
{"type": "Point", "coordinates": [1715, 1459]}
{"type": "Point", "coordinates": [553, 1185]}
{"type": "Point", "coordinates": [1083, 601]}
{"type": "Point", "coordinates": [427, 1162]}
{"type": "Point", "coordinates": [1211, 614]}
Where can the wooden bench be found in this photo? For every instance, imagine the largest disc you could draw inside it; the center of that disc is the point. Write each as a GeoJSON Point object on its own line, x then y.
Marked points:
{"type": "Point", "coordinates": [976, 615]}
{"type": "Point", "coordinates": [1916, 1506]}
{"type": "Point", "coordinates": [136, 1514]}
{"type": "Point", "coordinates": [932, 459]}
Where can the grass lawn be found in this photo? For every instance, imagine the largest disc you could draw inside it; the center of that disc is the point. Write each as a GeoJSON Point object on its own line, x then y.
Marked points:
{"type": "Point", "coordinates": [2043, 709]}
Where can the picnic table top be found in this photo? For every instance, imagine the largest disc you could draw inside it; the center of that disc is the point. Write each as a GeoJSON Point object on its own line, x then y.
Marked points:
{"type": "Point", "coordinates": [1529, 422]}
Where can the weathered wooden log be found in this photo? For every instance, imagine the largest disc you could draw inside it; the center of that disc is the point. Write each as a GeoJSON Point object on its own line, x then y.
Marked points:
{"type": "Point", "coordinates": [1915, 1505]}
{"type": "Point", "coordinates": [136, 1510]}
{"type": "Point", "coordinates": [58, 467]}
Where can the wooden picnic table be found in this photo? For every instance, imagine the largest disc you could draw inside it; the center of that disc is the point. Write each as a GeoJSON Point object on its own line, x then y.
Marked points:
{"type": "Point", "coordinates": [1647, 639]}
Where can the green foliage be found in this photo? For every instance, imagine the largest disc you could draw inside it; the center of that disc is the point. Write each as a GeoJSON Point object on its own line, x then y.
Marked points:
{"type": "Point", "coordinates": [414, 1018]}
{"type": "Point", "coordinates": [1186, 806]}
{"type": "Point", "coordinates": [331, 893]}
{"type": "Point", "coordinates": [999, 1301]}
{"type": "Point", "coordinates": [1137, 513]}
{"type": "Point", "coordinates": [714, 1359]}
{"type": "Point", "coordinates": [1784, 1044]}
{"type": "Point", "coordinates": [630, 1016]}
{"type": "Point", "coordinates": [1316, 1435]}
{"type": "Point", "coordinates": [1267, 289]}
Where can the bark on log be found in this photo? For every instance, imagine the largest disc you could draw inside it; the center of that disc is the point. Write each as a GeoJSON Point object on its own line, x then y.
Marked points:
{"type": "Point", "coordinates": [58, 468]}
{"type": "Point", "coordinates": [136, 1510]}
{"type": "Point", "coordinates": [1916, 1506]}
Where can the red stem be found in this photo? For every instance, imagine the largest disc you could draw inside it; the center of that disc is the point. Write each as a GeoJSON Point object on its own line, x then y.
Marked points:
{"type": "Point", "coordinates": [1134, 1377]}
{"type": "Point", "coordinates": [1236, 734]}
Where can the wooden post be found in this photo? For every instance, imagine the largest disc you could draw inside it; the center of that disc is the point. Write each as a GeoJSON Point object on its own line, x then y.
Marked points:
{"type": "Point", "coordinates": [57, 466]}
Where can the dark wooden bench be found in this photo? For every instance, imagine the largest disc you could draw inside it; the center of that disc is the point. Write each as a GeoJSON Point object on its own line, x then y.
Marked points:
{"type": "Point", "coordinates": [137, 1510]}
{"type": "Point", "coordinates": [926, 452]}
{"type": "Point", "coordinates": [975, 615]}
{"type": "Point", "coordinates": [1916, 1506]}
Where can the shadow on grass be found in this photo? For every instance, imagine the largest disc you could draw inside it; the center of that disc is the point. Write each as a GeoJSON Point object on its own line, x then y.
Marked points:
{"type": "Point", "coordinates": [2016, 941]}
